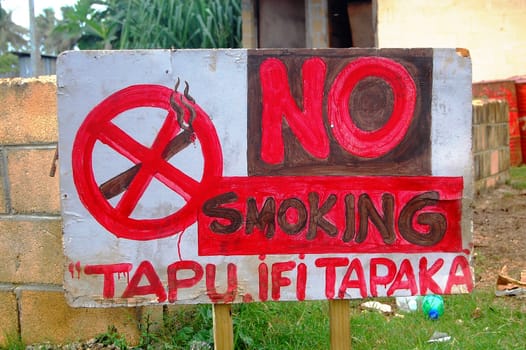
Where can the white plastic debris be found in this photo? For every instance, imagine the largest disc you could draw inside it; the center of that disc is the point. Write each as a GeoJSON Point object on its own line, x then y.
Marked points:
{"type": "Point", "coordinates": [377, 306]}
{"type": "Point", "coordinates": [439, 337]}
{"type": "Point", "coordinates": [407, 304]}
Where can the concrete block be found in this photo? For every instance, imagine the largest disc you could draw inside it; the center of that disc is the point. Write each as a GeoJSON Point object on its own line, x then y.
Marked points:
{"type": "Point", "coordinates": [28, 112]}
{"type": "Point", "coordinates": [503, 112]}
{"type": "Point", "coordinates": [3, 193]}
{"type": "Point", "coordinates": [31, 251]}
{"type": "Point", "coordinates": [498, 135]}
{"type": "Point", "coordinates": [480, 115]}
{"type": "Point", "coordinates": [494, 162]}
{"type": "Point", "coordinates": [493, 110]}
{"type": "Point", "coordinates": [485, 162]}
{"type": "Point", "coordinates": [476, 167]}
{"type": "Point", "coordinates": [8, 317]}
{"type": "Point", "coordinates": [503, 134]}
{"type": "Point", "coordinates": [479, 138]}
{"type": "Point", "coordinates": [504, 159]}
{"type": "Point", "coordinates": [45, 316]}
{"type": "Point", "coordinates": [32, 189]}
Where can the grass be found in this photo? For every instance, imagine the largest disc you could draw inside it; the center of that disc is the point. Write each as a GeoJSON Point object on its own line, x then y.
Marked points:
{"type": "Point", "coordinates": [13, 342]}
{"type": "Point", "coordinates": [518, 177]}
{"type": "Point", "coordinates": [474, 321]}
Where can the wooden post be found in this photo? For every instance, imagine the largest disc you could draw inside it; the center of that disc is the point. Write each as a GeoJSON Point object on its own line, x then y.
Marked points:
{"type": "Point", "coordinates": [339, 324]}
{"type": "Point", "coordinates": [223, 329]}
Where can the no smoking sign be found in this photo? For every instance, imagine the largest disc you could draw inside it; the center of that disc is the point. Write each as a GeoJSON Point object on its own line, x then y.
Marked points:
{"type": "Point", "coordinates": [266, 168]}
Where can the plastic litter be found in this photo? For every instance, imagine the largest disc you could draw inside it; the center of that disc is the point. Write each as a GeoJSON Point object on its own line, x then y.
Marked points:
{"type": "Point", "coordinates": [508, 286]}
{"type": "Point", "coordinates": [433, 306]}
{"type": "Point", "coordinates": [374, 305]}
{"type": "Point", "coordinates": [439, 337]}
{"type": "Point", "coordinates": [407, 304]}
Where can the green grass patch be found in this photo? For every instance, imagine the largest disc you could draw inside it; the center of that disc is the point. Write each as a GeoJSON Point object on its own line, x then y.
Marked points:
{"type": "Point", "coordinates": [474, 321]}
{"type": "Point", "coordinates": [12, 342]}
{"type": "Point", "coordinates": [518, 177]}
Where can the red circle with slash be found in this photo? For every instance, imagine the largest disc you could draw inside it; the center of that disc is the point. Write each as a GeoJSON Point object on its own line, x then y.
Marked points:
{"type": "Point", "coordinates": [150, 162]}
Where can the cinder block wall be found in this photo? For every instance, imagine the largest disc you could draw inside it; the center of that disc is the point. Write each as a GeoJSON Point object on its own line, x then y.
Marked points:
{"type": "Point", "coordinates": [32, 303]}
{"type": "Point", "coordinates": [491, 155]}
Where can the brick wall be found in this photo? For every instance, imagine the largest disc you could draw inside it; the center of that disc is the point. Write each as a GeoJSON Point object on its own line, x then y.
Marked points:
{"type": "Point", "coordinates": [491, 155]}
{"type": "Point", "coordinates": [32, 303]}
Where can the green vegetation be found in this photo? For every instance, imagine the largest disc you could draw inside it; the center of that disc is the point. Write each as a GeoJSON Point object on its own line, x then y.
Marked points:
{"type": "Point", "coordinates": [11, 38]}
{"type": "Point", "coordinates": [8, 63]}
{"type": "Point", "coordinates": [152, 24]}
{"type": "Point", "coordinates": [476, 321]}
{"type": "Point", "coordinates": [518, 177]}
{"type": "Point", "coordinates": [125, 24]}
{"type": "Point", "coordinates": [13, 342]}
{"type": "Point", "coordinates": [473, 321]}
{"type": "Point", "coordinates": [179, 24]}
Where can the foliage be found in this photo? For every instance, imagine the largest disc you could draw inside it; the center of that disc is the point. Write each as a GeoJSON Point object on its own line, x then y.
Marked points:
{"type": "Point", "coordinates": [181, 328]}
{"type": "Point", "coordinates": [13, 342]}
{"type": "Point", "coordinates": [86, 26]}
{"type": "Point", "coordinates": [112, 337]}
{"type": "Point", "coordinates": [8, 63]}
{"type": "Point", "coordinates": [11, 34]}
{"type": "Point", "coordinates": [126, 24]}
{"type": "Point", "coordinates": [152, 24]}
{"type": "Point", "coordinates": [474, 321]}
{"type": "Point", "coordinates": [51, 42]}
{"type": "Point", "coordinates": [12, 37]}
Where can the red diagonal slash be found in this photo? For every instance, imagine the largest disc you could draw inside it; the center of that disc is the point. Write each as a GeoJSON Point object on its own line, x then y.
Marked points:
{"type": "Point", "coordinates": [120, 183]}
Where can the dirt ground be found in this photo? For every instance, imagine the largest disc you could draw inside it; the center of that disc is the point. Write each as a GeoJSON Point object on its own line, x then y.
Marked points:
{"type": "Point", "coordinates": [499, 222]}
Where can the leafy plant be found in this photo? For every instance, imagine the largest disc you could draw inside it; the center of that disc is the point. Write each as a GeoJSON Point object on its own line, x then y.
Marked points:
{"type": "Point", "coordinates": [112, 337]}
{"type": "Point", "coordinates": [153, 24]}
{"type": "Point", "coordinates": [8, 63]}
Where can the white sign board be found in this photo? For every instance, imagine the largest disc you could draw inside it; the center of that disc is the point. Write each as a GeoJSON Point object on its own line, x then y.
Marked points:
{"type": "Point", "coordinates": [218, 176]}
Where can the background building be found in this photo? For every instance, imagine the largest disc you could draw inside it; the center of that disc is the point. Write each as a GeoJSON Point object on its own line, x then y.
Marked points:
{"type": "Point", "coordinates": [492, 30]}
